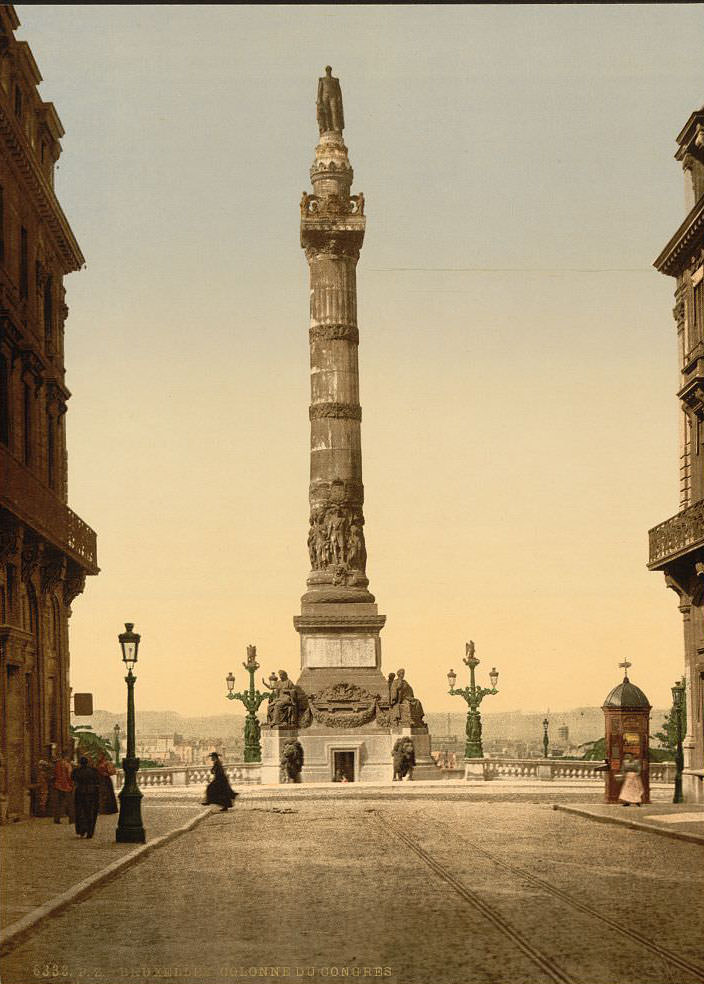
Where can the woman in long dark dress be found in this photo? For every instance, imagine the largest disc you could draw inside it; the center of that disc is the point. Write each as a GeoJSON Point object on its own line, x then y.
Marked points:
{"type": "Point", "coordinates": [86, 782]}
{"type": "Point", "coordinates": [107, 801]}
{"type": "Point", "coordinates": [218, 790]}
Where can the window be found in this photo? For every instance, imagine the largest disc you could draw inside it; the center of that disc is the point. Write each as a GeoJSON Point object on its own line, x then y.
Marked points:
{"type": "Point", "coordinates": [18, 102]}
{"type": "Point", "coordinates": [48, 312]}
{"type": "Point", "coordinates": [698, 310]}
{"type": "Point", "coordinates": [51, 450]}
{"type": "Point", "coordinates": [27, 393]}
{"type": "Point", "coordinates": [4, 401]}
{"type": "Point", "coordinates": [24, 264]}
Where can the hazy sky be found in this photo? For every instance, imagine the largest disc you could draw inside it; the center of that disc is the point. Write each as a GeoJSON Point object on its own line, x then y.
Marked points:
{"type": "Point", "coordinates": [517, 355]}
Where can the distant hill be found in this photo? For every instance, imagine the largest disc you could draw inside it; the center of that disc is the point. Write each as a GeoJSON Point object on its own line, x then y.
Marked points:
{"type": "Point", "coordinates": [584, 723]}
{"type": "Point", "coordinates": [168, 722]}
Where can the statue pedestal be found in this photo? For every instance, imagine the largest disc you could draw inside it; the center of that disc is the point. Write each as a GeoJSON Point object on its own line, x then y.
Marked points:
{"type": "Point", "coordinates": [474, 769]}
{"type": "Point", "coordinates": [273, 741]}
{"type": "Point", "coordinates": [425, 767]}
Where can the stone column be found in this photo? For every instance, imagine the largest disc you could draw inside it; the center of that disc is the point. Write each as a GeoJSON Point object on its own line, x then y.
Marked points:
{"type": "Point", "coordinates": [339, 623]}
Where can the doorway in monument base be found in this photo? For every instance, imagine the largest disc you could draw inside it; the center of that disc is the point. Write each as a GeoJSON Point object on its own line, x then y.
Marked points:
{"type": "Point", "coordinates": [343, 764]}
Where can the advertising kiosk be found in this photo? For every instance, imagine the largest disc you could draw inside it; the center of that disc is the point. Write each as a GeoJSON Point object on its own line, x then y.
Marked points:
{"type": "Point", "coordinates": [627, 723]}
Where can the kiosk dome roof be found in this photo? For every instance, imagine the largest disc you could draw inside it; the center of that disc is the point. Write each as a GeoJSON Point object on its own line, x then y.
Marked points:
{"type": "Point", "coordinates": [626, 694]}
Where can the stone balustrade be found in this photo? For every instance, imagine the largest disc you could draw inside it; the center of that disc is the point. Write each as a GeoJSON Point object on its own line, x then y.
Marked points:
{"type": "Point", "coordinates": [239, 773]}
{"type": "Point", "coordinates": [249, 773]}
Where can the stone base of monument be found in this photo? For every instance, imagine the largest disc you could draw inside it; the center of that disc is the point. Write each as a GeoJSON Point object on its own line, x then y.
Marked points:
{"type": "Point", "coordinates": [362, 754]}
{"type": "Point", "coordinates": [474, 769]}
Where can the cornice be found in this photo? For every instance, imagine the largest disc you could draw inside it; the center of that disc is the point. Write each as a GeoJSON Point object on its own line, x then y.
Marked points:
{"type": "Point", "coordinates": [670, 260]}
{"type": "Point", "coordinates": [41, 192]}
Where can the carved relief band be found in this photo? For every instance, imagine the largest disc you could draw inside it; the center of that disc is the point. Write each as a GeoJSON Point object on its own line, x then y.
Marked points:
{"type": "Point", "coordinates": [334, 333]}
{"type": "Point", "coordinates": [342, 411]}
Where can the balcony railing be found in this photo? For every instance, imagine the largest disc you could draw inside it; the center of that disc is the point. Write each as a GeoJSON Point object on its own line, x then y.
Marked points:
{"type": "Point", "coordinates": [677, 536]}
{"type": "Point", "coordinates": [26, 497]}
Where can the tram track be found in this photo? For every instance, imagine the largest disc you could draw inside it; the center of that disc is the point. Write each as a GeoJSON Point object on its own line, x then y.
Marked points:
{"type": "Point", "coordinates": [541, 959]}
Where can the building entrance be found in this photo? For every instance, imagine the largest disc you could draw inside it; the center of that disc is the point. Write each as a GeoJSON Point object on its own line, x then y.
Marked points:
{"type": "Point", "coordinates": [343, 767]}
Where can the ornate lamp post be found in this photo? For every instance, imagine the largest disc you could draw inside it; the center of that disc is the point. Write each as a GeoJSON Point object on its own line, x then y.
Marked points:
{"type": "Point", "coordinates": [546, 740]}
{"type": "Point", "coordinates": [678, 704]}
{"type": "Point", "coordinates": [116, 744]}
{"type": "Point", "coordinates": [473, 696]}
{"type": "Point", "coordinates": [130, 829]}
{"type": "Point", "coordinates": [251, 699]}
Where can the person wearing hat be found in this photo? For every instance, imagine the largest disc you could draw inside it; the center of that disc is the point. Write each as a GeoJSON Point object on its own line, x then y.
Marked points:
{"type": "Point", "coordinates": [218, 791]}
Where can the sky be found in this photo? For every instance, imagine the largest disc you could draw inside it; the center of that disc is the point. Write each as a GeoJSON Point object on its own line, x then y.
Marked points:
{"type": "Point", "coordinates": [518, 363]}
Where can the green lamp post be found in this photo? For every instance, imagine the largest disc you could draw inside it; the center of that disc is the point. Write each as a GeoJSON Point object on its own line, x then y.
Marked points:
{"type": "Point", "coordinates": [473, 695]}
{"type": "Point", "coordinates": [130, 829]}
{"type": "Point", "coordinates": [677, 706]}
{"type": "Point", "coordinates": [116, 744]}
{"type": "Point", "coordinates": [251, 699]}
{"type": "Point", "coordinates": [546, 740]}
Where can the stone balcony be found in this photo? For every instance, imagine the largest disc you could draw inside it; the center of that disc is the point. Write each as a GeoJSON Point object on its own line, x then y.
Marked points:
{"type": "Point", "coordinates": [34, 503]}
{"type": "Point", "coordinates": [677, 536]}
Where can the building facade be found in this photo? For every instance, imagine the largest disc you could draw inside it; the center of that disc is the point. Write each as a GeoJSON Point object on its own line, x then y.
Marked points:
{"type": "Point", "coordinates": [677, 545]}
{"type": "Point", "coordinates": [46, 550]}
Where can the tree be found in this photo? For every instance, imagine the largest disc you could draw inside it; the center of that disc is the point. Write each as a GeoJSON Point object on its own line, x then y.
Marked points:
{"type": "Point", "coordinates": [668, 736]}
{"type": "Point", "coordinates": [87, 743]}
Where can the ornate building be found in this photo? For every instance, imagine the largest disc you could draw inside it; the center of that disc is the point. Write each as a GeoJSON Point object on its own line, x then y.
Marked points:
{"type": "Point", "coordinates": [46, 550]}
{"type": "Point", "coordinates": [677, 545]}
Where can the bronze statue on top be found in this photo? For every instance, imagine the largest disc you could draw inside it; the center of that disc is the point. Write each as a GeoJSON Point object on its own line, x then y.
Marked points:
{"type": "Point", "coordinates": [329, 104]}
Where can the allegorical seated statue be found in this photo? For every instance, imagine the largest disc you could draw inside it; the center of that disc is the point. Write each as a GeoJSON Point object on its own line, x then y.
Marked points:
{"type": "Point", "coordinates": [288, 703]}
{"type": "Point", "coordinates": [404, 757]}
{"type": "Point", "coordinates": [329, 104]}
{"type": "Point", "coordinates": [292, 761]}
{"type": "Point", "coordinates": [405, 709]}
{"type": "Point", "coordinates": [282, 711]}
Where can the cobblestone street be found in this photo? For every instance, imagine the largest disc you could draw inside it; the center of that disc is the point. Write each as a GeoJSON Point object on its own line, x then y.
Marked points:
{"type": "Point", "coordinates": [415, 892]}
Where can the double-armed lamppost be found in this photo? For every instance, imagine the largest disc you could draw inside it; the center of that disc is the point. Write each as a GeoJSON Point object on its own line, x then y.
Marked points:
{"type": "Point", "coordinates": [251, 699]}
{"type": "Point", "coordinates": [130, 829]}
{"type": "Point", "coordinates": [678, 706]}
{"type": "Point", "coordinates": [546, 740]}
{"type": "Point", "coordinates": [474, 696]}
{"type": "Point", "coordinates": [116, 744]}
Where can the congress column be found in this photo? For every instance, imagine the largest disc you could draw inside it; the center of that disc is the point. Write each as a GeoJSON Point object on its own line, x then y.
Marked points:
{"type": "Point", "coordinates": [339, 623]}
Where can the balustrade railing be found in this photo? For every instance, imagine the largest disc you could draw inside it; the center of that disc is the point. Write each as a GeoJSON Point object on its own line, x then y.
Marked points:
{"type": "Point", "coordinates": [249, 773]}
{"type": "Point", "coordinates": [240, 773]}
{"type": "Point", "coordinates": [36, 504]}
{"type": "Point", "coordinates": [676, 535]}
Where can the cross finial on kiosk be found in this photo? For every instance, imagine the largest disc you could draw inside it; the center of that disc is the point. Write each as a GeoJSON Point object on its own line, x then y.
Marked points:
{"type": "Point", "coordinates": [625, 666]}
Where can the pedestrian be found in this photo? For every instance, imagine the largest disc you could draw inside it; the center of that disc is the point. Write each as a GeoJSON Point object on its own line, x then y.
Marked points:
{"type": "Point", "coordinates": [45, 771]}
{"type": "Point", "coordinates": [62, 789]}
{"type": "Point", "coordinates": [632, 789]}
{"type": "Point", "coordinates": [87, 782]}
{"type": "Point", "coordinates": [218, 790]}
{"type": "Point", "coordinates": [107, 802]}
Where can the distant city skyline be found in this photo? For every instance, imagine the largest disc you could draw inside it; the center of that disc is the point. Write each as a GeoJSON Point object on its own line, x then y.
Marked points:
{"type": "Point", "coordinates": [519, 178]}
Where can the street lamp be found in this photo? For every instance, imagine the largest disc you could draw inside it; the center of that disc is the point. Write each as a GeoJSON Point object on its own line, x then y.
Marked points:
{"type": "Point", "coordinates": [473, 695]}
{"type": "Point", "coordinates": [130, 829]}
{"type": "Point", "coordinates": [251, 699]}
{"type": "Point", "coordinates": [677, 706]}
{"type": "Point", "coordinates": [546, 740]}
{"type": "Point", "coordinates": [116, 744]}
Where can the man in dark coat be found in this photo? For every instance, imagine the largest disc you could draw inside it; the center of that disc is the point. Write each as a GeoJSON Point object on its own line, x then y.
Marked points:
{"type": "Point", "coordinates": [87, 781]}
{"type": "Point", "coordinates": [218, 790]}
